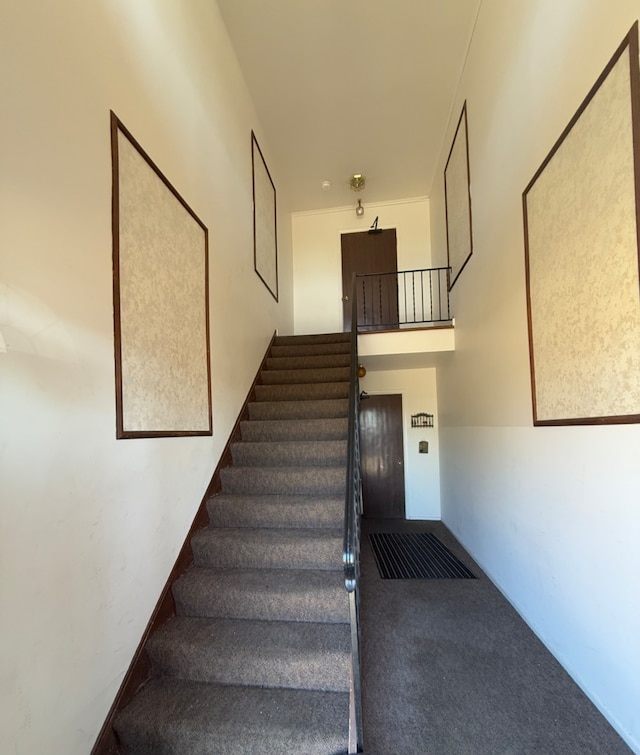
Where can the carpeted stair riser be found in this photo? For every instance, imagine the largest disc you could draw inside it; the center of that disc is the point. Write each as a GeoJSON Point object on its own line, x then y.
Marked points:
{"type": "Point", "coordinates": [230, 548]}
{"type": "Point", "coordinates": [321, 338]}
{"type": "Point", "coordinates": [263, 594]}
{"type": "Point", "coordinates": [306, 512]}
{"type": "Point", "coordinates": [324, 375]}
{"type": "Point", "coordinates": [302, 391]}
{"type": "Point", "coordinates": [310, 350]}
{"type": "Point", "coordinates": [284, 480]}
{"type": "Point", "coordinates": [308, 362]}
{"type": "Point", "coordinates": [317, 453]}
{"type": "Point", "coordinates": [283, 410]}
{"type": "Point", "coordinates": [177, 717]}
{"type": "Point", "coordinates": [296, 655]}
{"type": "Point", "coordinates": [297, 429]}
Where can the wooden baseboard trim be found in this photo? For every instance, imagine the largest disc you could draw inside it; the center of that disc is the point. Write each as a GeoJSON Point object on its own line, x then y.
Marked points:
{"type": "Point", "coordinates": [140, 667]}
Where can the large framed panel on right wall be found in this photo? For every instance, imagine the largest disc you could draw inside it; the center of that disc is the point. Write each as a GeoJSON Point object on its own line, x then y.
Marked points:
{"type": "Point", "coordinates": [582, 258]}
{"type": "Point", "coordinates": [457, 201]}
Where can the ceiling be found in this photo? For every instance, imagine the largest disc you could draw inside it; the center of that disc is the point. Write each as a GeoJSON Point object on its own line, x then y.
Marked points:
{"type": "Point", "coordinates": [351, 86]}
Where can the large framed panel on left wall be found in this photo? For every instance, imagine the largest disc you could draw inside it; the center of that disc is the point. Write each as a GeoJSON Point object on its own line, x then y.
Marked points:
{"type": "Point", "coordinates": [160, 298]}
{"type": "Point", "coordinates": [265, 231]}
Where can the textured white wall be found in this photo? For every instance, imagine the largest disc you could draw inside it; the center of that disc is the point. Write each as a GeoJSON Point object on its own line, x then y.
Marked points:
{"type": "Point", "coordinates": [317, 259]}
{"type": "Point", "coordinates": [551, 513]}
{"type": "Point", "coordinates": [90, 526]}
{"type": "Point", "coordinates": [421, 471]}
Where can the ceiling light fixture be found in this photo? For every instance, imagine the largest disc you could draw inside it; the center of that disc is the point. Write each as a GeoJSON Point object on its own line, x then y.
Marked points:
{"type": "Point", "coordinates": [359, 209]}
{"type": "Point", "coordinates": [326, 186]}
{"type": "Point", "coordinates": [357, 182]}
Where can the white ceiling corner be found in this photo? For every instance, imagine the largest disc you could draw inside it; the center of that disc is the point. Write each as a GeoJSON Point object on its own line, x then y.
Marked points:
{"type": "Point", "coordinates": [351, 86]}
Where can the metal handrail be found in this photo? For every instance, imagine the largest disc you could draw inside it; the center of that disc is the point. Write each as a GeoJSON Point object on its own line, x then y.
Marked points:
{"type": "Point", "coordinates": [351, 543]}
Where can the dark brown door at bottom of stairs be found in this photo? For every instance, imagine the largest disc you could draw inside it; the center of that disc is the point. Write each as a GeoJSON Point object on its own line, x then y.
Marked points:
{"type": "Point", "coordinates": [382, 457]}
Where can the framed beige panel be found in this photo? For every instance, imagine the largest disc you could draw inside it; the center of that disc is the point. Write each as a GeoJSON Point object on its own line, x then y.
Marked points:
{"type": "Point", "coordinates": [265, 241]}
{"type": "Point", "coordinates": [161, 300]}
{"type": "Point", "coordinates": [457, 198]}
{"type": "Point", "coordinates": [581, 212]}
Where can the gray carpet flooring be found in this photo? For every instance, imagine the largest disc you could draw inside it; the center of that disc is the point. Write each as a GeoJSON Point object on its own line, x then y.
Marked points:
{"type": "Point", "coordinates": [449, 668]}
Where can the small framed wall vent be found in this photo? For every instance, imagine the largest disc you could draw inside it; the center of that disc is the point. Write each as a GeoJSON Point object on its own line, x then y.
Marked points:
{"type": "Point", "coordinates": [422, 420]}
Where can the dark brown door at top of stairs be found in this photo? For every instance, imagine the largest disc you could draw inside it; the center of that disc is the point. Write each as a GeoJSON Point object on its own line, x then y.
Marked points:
{"type": "Point", "coordinates": [365, 253]}
{"type": "Point", "coordinates": [382, 456]}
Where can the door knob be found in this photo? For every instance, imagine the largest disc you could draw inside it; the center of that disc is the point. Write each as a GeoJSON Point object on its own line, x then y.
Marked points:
{"type": "Point", "coordinates": [346, 298]}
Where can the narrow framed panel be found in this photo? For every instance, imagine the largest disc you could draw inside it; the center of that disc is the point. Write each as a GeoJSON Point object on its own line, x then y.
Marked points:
{"type": "Point", "coordinates": [161, 300]}
{"type": "Point", "coordinates": [582, 258]}
{"type": "Point", "coordinates": [457, 199]}
{"type": "Point", "coordinates": [265, 232]}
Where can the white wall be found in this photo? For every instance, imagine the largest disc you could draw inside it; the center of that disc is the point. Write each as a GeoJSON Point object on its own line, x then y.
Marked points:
{"type": "Point", "coordinates": [90, 526]}
{"type": "Point", "coordinates": [421, 471]}
{"type": "Point", "coordinates": [317, 259]}
{"type": "Point", "coordinates": [552, 514]}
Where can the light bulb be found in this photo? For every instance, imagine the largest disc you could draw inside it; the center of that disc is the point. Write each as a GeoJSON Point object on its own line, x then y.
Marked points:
{"type": "Point", "coordinates": [359, 210]}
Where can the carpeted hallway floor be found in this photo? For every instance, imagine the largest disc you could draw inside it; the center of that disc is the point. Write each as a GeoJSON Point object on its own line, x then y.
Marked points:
{"type": "Point", "coordinates": [449, 668]}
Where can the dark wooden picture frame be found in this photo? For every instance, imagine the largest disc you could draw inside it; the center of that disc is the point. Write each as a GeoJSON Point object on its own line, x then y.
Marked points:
{"type": "Point", "coordinates": [457, 200]}
{"type": "Point", "coordinates": [160, 300]}
{"type": "Point", "coordinates": [265, 229]}
{"type": "Point", "coordinates": [581, 213]}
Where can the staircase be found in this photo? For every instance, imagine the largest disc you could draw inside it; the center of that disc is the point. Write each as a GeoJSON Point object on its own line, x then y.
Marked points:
{"type": "Point", "coordinates": [257, 659]}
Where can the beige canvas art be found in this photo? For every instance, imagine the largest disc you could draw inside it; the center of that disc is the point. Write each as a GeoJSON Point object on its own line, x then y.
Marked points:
{"type": "Point", "coordinates": [265, 242]}
{"type": "Point", "coordinates": [581, 212]}
{"type": "Point", "coordinates": [160, 301]}
{"type": "Point", "coordinates": [457, 188]}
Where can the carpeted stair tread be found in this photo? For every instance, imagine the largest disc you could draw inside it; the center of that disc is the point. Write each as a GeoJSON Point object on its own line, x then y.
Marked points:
{"type": "Point", "coordinates": [314, 409]}
{"type": "Point", "coordinates": [314, 339]}
{"type": "Point", "coordinates": [319, 375]}
{"type": "Point", "coordinates": [334, 428]}
{"type": "Point", "coordinates": [281, 480]}
{"type": "Point", "coordinates": [308, 362]}
{"type": "Point", "coordinates": [310, 349]}
{"type": "Point", "coordinates": [177, 717]}
{"type": "Point", "coordinates": [276, 511]}
{"type": "Point", "coordinates": [297, 655]}
{"type": "Point", "coordinates": [263, 594]}
{"type": "Point", "coordinates": [302, 391]}
{"type": "Point", "coordinates": [290, 453]}
{"type": "Point", "coordinates": [231, 548]}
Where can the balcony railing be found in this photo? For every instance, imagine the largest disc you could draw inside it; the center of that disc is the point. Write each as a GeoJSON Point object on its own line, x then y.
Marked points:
{"type": "Point", "coordinates": [388, 301]}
